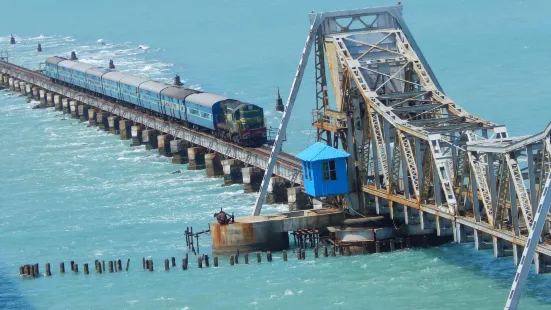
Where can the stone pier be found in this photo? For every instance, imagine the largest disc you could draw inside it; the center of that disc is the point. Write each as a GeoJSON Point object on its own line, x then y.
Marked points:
{"type": "Point", "coordinates": [542, 263]}
{"type": "Point", "coordinates": [113, 122]}
{"type": "Point", "coordinates": [252, 178]}
{"type": "Point", "coordinates": [232, 171]}
{"type": "Point", "coordinates": [179, 151]}
{"type": "Point", "coordinates": [163, 144]}
{"type": "Point", "coordinates": [196, 157]}
{"type": "Point", "coordinates": [29, 90]}
{"type": "Point", "coordinates": [42, 95]}
{"type": "Point", "coordinates": [22, 88]}
{"type": "Point", "coordinates": [82, 110]}
{"type": "Point", "coordinates": [36, 93]}
{"type": "Point", "coordinates": [149, 138]}
{"type": "Point", "coordinates": [65, 105]}
{"type": "Point", "coordinates": [102, 121]}
{"type": "Point", "coordinates": [10, 83]}
{"type": "Point", "coordinates": [57, 103]}
{"type": "Point", "coordinates": [49, 99]}
{"type": "Point", "coordinates": [502, 247]}
{"type": "Point", "coordinates": [136, 131]}
{"type": "Point", "coordinates": [298, 200]}
{"type": "Point", "coordinates": [73, 108]}
{"type": "Point", "coordinates": [213, 165]}
{"type": "Point", "coordinates": [125, 129]}
{"type": "Point", "coordinates": [92, 114]}
{"type": "Point", "coordinates": [277, 190]}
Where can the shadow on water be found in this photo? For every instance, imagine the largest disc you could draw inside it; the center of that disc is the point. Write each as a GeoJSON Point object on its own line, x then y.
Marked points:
{"type": "Point", "coordinates": [499, 270]}
{"type": "Point", "coordinates": [10, 293]}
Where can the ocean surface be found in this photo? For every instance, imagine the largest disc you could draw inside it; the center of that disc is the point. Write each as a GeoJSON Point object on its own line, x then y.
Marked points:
{"type": "Point", "coordinates": [71, 192]}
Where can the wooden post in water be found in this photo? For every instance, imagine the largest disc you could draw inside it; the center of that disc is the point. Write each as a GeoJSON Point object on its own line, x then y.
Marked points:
{"type": "Point", "coordinates": [103, 265]}
{"type": "Point", "coordinates": [237, 258]}
{"type": "Point", "coordinates": [316, 254]}
{"type": "Point", "coordinates": [183, 264]}
{"type": "Point", "coordinates": [37, 270]}
{"type": "Point", "coordinates": [119, 264]}
{"type": "Point", "coordinates": [110, 266]}
{"type": "Point", "coordinates": [150, 264]}
{"type": "Point", "coordinates": [76, 268]}
{"type": "Point", "coordinates": [48, 271]}
{"type": "Point", "coordinates": [115, 269]}
{"type": "Point", "coordinates": [61, 267]}
{"type": "Point", "coordinates": [216, 261]}
{"type": "Point", "coordinates": [173, 261]}
{"type": "Point", "coordinates": [231, 260]}
{"type": "Point", "coordinates": [127, 264]}
{"type": "Point", "coordinates": [143, 263]}
{"type": "Point", "coordinates": [72, 265]}
{"type": "Point", "coordinates": [258, 258]}
{"type": "Point", "coordinates": [33, 271]}
{"type": "Point", "coordinates": [86, 268]}
{"type": "Point", "coordinates": [167, 264]}
{"type": "Point", "coordinates": [325, 252]}
{"type": "Point", "coordinates": [284, 255]}
{"type": "Point", "coordinates": [199, 262]}
{"type": "Point", "coordinates": [392, 246]}
{"type": "Point", "coordinates": [147, 264]}
{"type": "Point", "coordinates": [246, 256]}
{"type": "Point", "coordinates": [21, 270]}
{"type": "Point", "coordinates": [333, 254]}
{"type": "Point", "coordinates": [269, 256]}
{"type": "Point", "coordinates": [299, 254]}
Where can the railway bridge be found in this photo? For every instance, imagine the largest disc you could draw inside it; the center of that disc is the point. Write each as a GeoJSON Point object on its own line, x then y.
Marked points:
{"type": "Point", "coordinates": [416, 155]}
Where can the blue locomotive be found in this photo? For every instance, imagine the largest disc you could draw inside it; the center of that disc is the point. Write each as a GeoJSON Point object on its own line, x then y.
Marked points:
{"type": "Point", "coordinates": [228, 119]}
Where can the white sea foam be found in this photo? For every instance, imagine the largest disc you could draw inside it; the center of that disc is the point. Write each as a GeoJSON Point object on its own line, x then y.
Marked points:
{"type": "Point", "coordinates": [288, 293]}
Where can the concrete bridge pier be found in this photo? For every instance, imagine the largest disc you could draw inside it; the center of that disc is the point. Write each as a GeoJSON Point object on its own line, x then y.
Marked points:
{"type": "Point", "coordinates": [36, 93]}
{"type": "Point", "coordinates": [10, 83]}
{"type": "Point", "coordinates": [179, 151]}
{"type": "Point", "coordinates": [125, 129]}
{"type": "Point", "coordinates": [65, 105]}
{"type": "Point", "coordinates": [16, 85]}
{"type": "Point", "coordinates": [163, 144]}
{"type": "Point", "coordinates": [252, 179]}
{"type": "Point", "coordinates": [196, 157]}
{"type": "Point", "coordinates": [22, 88]}
{"type": "Point", "coordinates": [149, 138]}
{"type": "Point", "coordinates": [213, 165]}
{"type": "Point", "coordinates": [82, 110]}
{"type": "Point", "coordinates": [542, 263]}
{"type": "Point", "coordinates": [136, 132]}
{"type": "Point", "coordinates": [3, 79]}
{"type": "Point", "coordinates": [502, 247]}
{"type": "Point", "coordinates": [232, 171]}
{"type": "Point", "coordinates": [298, 200]}
{"type": "Point", "coordinates": [49, 99]}
{"type": "Point", "coordinates": [29, 90]}
{"type": "Point", "coordinates": [444, 227]}
{"type": "Point", "coordinates": [482, 240]}
{"type": "Point", "coordinates": [463, 234]}
{"type": "Point", "coordinates": [428, 221]}
{"type": "Point", "coordinates": [277, 190]}
{"type": "Point", "coordinates": [113, 122]}
{"type": "Point", "coordinates": [57, 103]}
{"type": "Point", "coordinates": [92, 115]}
{"type": "Point", "coordinates": [42, 95]}
{"type": "Point", "coordinates": [517, 253]}
{"type": "Point", "coordinates": [73, 108]}
{"type": "Point", "coordinates": [102, 121]}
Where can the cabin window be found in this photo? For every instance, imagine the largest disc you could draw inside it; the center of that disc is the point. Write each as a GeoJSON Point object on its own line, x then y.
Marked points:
{"type": "Point", "coordinates": [308, 170]}
{"type": "Point", "coordinates": [329, 170]}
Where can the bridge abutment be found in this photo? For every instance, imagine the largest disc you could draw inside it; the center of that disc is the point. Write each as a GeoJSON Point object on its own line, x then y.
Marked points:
{"type": "Point", "coordinates": [196, 157]}
{"type": "Point", "coordinates": [213, 165]}
{"type": "Point", "coordinates": [179, 148]}
{"type": "Point", "coordinates": [232, 171]}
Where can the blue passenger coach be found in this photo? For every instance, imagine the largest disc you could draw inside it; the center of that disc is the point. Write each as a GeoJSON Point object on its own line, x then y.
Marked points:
{"type": "Point", "coordinates": [202, 109]}
{"type": "Point", "coordinates": [175, 97]}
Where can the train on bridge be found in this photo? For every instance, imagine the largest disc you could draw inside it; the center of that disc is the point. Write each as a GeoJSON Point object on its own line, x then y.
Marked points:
{"type": "Point", "coordinates": [228, 119]}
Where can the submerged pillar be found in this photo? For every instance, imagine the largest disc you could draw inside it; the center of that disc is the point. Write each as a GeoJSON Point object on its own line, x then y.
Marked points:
{"type": "Point", "coordinates": [149, 138]}
{"type": "Point", "coordinates": [163, 144]}
{"type": "Point", "coordinates": [124, 127]}
{"type": "Point", "coordinates": [252, 178]}
{"type": "Point", "coordinates": [298, 200]}
{"type": "Point", "coordinates": [277, 190]}
{"type": "Point", "coordinates": [196, 157]}
{"type": "Point", "coordinates": [179, 151]}
{"type": "Point", "coordinates": [232, 171]}
{"type": "Point", "coordinates": [213, 165]}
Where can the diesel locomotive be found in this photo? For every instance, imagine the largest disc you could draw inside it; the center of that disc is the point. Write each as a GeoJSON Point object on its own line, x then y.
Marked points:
{"type": "Point", "coordinates": [228, 119]}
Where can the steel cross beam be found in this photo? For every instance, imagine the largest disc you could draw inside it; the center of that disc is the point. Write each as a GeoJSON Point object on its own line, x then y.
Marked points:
{"type": "Point", "coordinates": [276, 148]}
{"type": "Point", "coordinates": [530, 248]}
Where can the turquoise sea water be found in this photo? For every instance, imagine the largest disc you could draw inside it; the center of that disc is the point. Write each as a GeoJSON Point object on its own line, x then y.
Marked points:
{"type": "Point", "coordinates": [70, 192]}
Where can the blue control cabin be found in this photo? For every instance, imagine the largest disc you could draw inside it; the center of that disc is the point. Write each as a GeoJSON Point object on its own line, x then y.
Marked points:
{"type": "Point", "coordinates": [202, 107]}
{"type": "Point", "coordinates": [324, 170]}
